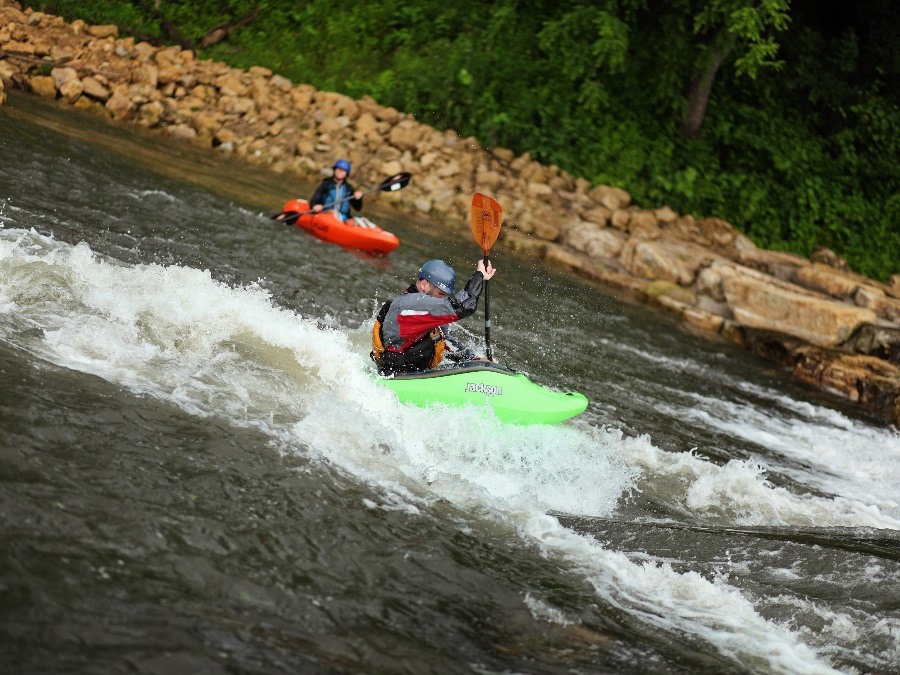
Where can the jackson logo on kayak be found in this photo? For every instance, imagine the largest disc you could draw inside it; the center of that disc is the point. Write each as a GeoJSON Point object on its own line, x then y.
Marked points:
{"type": "Point", "coordinates": [486, 389]}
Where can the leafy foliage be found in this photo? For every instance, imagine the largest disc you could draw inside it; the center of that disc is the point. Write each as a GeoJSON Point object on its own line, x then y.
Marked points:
{"type": "Point", "coordinates": [799, 143]}
{"type": "Point", "coordinates": [750, 25]}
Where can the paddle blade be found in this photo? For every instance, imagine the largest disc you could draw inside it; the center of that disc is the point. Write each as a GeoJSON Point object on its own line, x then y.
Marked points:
{"type": "Point", "coordinates": [487, 215]}
{"type": "Point", "coordinates": [287, 217]}
{"type": "Point", "coordinates": [394, 182]}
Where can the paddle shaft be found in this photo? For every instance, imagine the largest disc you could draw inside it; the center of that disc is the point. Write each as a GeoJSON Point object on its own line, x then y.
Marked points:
{"type": "Point", "coordinates": [487, 316]}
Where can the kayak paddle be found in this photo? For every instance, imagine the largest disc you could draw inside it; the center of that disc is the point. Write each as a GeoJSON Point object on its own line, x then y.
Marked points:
{"type": "Point", "coordinates": [387, 185]}
{"type": "Point", "coordinates": [487, 216]}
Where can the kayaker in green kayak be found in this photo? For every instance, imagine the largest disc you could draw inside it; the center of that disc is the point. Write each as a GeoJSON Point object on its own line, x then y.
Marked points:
{"type": "Point", "coordinates": [408, 334]}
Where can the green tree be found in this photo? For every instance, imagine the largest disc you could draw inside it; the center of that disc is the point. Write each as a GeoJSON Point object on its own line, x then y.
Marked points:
{"type": "Point", "coordinates": [741, 30]}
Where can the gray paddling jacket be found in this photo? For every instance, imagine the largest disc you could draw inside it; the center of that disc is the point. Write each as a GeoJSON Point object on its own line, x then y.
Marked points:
{"type": "Point", "coordinates": [407, 336]}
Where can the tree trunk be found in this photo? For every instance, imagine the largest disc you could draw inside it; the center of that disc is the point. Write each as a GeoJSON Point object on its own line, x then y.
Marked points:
{"type": "Point", "coordinates": [698, 95]}
{"type": "Point", "coordinates": [167, 26]}
{"type": "Point", "coordinates": [222, 31]}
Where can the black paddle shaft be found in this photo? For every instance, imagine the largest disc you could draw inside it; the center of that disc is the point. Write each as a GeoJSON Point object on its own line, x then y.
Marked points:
{"type": "Point", "coordinates": [487, 316]}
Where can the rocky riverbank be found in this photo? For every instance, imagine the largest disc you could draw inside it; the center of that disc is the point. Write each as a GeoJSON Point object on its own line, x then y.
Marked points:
{"type": "Point", "coordinates": [833, 328]}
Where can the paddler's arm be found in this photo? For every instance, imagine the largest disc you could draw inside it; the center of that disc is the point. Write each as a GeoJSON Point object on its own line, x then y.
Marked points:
{"type": "Point", "coordinates": [356, 199]}
{"type": "Point", "coordinates": [465, 302]}
{"type": "Point", "coordinates": [318, 198]}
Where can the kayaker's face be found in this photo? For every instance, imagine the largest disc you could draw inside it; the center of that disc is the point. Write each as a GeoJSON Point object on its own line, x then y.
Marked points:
{"type": "Point", "coordinates": [429, 288]}
{"type": "Point", "coordinates": [339, 175]}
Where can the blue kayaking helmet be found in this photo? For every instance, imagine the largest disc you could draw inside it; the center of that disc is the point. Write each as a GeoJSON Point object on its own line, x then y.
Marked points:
{"type": "Point", "coordinates": [440, 274]}
{"type": "Point", "coordinates": [342, 164]}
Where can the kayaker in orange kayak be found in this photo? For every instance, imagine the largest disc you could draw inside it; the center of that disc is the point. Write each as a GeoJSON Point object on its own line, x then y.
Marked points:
{"type": "Point", "coordinates": [337, 190]}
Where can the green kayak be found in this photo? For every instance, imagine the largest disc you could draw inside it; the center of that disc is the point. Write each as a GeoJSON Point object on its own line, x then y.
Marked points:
{"type": "Point", "coordinates": [511, 395]}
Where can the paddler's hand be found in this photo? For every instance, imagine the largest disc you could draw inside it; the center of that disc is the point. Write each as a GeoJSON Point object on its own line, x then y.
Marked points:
{"type": "Point", "coordinates": [358, 194]}
{"type": "Point", "coordinates": [486, 272]}
{"type": "Point", "coordinates": [317, 208]}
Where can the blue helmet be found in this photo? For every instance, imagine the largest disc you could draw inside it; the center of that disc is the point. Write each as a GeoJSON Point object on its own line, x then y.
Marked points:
{"type": "Point", "coordinates": [342, 164]}
{"type": "Point", "coordinates": [440, 274]}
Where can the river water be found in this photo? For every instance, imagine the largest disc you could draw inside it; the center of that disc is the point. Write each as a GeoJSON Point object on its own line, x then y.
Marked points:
{"type": "Point", "coordinates": [200, 473]}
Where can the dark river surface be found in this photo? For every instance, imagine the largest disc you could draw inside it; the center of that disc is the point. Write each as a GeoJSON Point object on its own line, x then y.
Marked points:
{"type": "Point", "coordinates": [200, 474]}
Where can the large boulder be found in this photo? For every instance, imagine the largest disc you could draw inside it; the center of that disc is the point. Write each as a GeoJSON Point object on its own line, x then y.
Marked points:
{"type": "Point", "coordinates": [94, 88]}
{"type": "Point", "coordinates": [596, 241]}
{"type": "Point", "coordinates": [120, 106]}
{"type": "Point", "coordinates": [667, 259]}
{"type": "Point", "coordinates": [882, 342]}
{"type": "Point", "coordinates": [611, 197]}
{"type": "Point", "coordinates": [778, 264]}
{"type": "Point", "coordinates": [827, 279]}
{"type": "Point", "coordinates": [867, 380]}
{"type": "Point", "coordinates": [406, 134]}
{"type": "Point", "coordinates": [42, 85]}
{"type": "Point", "coordinates": [105, 31]}
{"type": "Point", "coordinates": [764, 303]}
{"type": "Point", "coordinates": [643, 225]}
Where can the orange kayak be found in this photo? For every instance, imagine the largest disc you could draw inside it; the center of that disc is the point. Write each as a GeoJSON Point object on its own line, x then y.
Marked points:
{"type": "Point", "coordinates": [356, 233]}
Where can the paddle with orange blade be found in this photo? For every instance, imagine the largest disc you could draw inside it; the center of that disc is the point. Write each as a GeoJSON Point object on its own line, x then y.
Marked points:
{"type": "Point", "coordinates": [487, 215]}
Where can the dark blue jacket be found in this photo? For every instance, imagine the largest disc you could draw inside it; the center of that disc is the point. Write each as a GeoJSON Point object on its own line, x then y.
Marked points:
{"type": "Point", "coordinates": [328, 193]}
